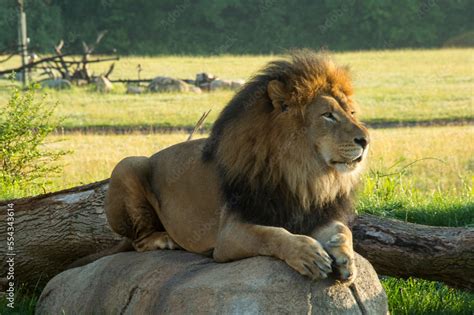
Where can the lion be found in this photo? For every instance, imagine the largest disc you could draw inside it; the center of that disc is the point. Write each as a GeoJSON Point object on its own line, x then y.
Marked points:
{"type": "Point", "coordinates": [275, 177]}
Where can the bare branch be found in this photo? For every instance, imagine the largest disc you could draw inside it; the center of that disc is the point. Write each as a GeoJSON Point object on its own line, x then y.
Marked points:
{"type": "Point", "coordinates": [111, 69]}
{"type": "Point", "coordinates": [198, 124]}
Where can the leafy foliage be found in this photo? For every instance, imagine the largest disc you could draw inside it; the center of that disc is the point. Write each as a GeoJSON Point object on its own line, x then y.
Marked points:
{"type": "Point", "coordinates": [24, 125]}
{"type": "Point", "coordinates": [242, 26]}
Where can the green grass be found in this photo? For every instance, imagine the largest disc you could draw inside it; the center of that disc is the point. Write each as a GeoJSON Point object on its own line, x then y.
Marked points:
{"type": "Point", "coordinates": [391, 86]}
{"type": "Point", "coordinates": [415, 296]}
{"type": "Point", "coordinates": [421, 175]}
{"type": "Point", "coordinates": [422, 163]}
{"type": "Point", "coordinates": [25, 302]}
{"type": "Point", "coordinates": [438, 211]}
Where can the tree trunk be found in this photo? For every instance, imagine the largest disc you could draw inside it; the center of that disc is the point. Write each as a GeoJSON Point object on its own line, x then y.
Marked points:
{"type": "Point", "coordinates": [402, 249]}
{"type": "Point", "coordinates": [53, 230]}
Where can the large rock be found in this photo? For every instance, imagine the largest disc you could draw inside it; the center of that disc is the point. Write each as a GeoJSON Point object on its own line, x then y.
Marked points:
{"type": "Point", "coordinates": [177, 282]}
{"type": "Point", "coordinates": [57, 84]}
{"type": "Point", "coordinates": [219, 84]}
{"type": "Point", "coordinates": [167, 84]}
{"type": "Point", "coordinates": [135, 89]}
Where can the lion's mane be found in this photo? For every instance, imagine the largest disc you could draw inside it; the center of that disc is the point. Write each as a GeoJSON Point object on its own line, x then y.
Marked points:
{"type": "Point", "coordinates": [268, 169]}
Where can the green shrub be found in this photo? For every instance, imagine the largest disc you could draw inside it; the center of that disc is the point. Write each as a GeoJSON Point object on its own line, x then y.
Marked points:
{"type": "Point", "coordinates": [26, 163]}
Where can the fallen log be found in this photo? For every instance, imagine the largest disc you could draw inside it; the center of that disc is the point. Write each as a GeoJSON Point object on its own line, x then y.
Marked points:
{"type": "Point", "coordinates": [73, 62]}
{"type": "Point", "coordinates": [402, 249]}
{"type": "Point", "coordinates": [131, 80]}
{"type": "Point", "coordinates": [53, 230]}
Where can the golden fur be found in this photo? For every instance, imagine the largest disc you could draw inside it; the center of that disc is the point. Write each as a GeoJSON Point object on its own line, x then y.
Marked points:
{"type": "Point", "coordinates": [253, 141]}
{"type": "Point", "coordinates": [274, 178]}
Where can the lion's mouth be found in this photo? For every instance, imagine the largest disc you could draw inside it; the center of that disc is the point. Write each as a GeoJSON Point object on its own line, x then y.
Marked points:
{"type": "Point", "coordinates": [348, 163]}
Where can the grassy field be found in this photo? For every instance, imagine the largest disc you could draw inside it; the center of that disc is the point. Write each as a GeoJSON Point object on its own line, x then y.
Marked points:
{"type": "Point", "coordinates": [409, 170]}
{"type": "Point", "coordinates": [391, 86]}
{"type": "Point", "coordinates": [436, 189]}
{"type": "Point", "coordinates": [420, 158]}
{"type": "Point", "coordinates": [422, 175]}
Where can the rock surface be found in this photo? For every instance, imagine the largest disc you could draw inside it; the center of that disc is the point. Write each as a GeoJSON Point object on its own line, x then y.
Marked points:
{"type": "Point", "coordinates": [133, 89]}
{"type": "Point", "coordinates": [219, 84]}
{"type": "Point", "coordinates": [57, 84]}
{"type": "Point", "coordinates": [167, 84]}
{"type": "Point", "coordinates": [177, 282]}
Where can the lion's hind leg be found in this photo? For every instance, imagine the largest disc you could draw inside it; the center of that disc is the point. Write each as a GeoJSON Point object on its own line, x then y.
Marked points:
{"type": "Point", "coordinates": [156, 240]}
{"type": "Point", "coordinates": [132, 207]}
{"type": "Point", "coordinates": [149, 233]}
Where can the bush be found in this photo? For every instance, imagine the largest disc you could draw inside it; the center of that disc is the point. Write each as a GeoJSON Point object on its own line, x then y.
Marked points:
{"type": "Point", "coordinates": [25, 161]}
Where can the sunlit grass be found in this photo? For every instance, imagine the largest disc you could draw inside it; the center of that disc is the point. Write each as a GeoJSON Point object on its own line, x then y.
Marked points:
{"type": "Point", "coordinates": [435, 159]}
{"type": "Point", "coordinates": [428, 192]}
{"type": "Point", "coordinates": [403, 85]}
{"type": "Point", "coordinates": [435, 191]}
{"type": "Point", "coordinates": [421, 175]}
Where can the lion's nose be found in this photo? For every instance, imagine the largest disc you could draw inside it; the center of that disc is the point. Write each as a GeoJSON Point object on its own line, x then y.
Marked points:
{"type": "Point", "coordinates": [362, 142]}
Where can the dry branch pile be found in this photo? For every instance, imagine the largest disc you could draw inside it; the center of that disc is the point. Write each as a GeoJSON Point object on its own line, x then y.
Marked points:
{"type": "Point", "coordinates": [67, 66]}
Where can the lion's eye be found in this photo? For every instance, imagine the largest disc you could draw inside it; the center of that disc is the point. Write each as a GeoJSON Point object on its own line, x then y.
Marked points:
{"type": "Point", "coordinates": [329, 116]}
{"type": "Point", "coordinates": [353, 113]}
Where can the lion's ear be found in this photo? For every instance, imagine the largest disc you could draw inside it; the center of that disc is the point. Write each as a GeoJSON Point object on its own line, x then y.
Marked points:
{"type": "Point", "coordinates": [276, 92]}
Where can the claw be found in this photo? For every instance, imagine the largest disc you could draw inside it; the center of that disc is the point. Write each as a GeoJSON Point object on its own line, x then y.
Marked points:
{"type": "Point", "coordinates": [308, 269]}
{"type": "Point", "coordinates": [326, 255]}
{"type": "Point", "coordinates": [327, 259]}
{"type": "Point", "coordinates": [323, 268]}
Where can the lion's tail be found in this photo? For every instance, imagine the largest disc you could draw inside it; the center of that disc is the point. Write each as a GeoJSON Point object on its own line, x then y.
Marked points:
{"type": "Point", "coordinates": [125, 245]}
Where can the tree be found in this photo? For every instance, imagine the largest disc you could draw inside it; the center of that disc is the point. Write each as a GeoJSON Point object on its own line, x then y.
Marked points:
{"type": "Point", "coordinates": [264, 26]}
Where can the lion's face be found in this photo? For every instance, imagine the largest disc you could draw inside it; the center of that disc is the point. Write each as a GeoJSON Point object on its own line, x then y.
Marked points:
{"type": "Point", "coordinates": [330, 125]}
{"type": "Point", "coordinates": [301, 135]}
{"type": "Point", "coordinates": [339, 138]}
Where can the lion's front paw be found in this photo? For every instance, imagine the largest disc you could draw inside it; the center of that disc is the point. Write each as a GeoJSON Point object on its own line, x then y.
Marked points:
{"type": "Point", "coordinates": [342, 253]}
{"type": "Point", "coordinates": [308, 257]}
